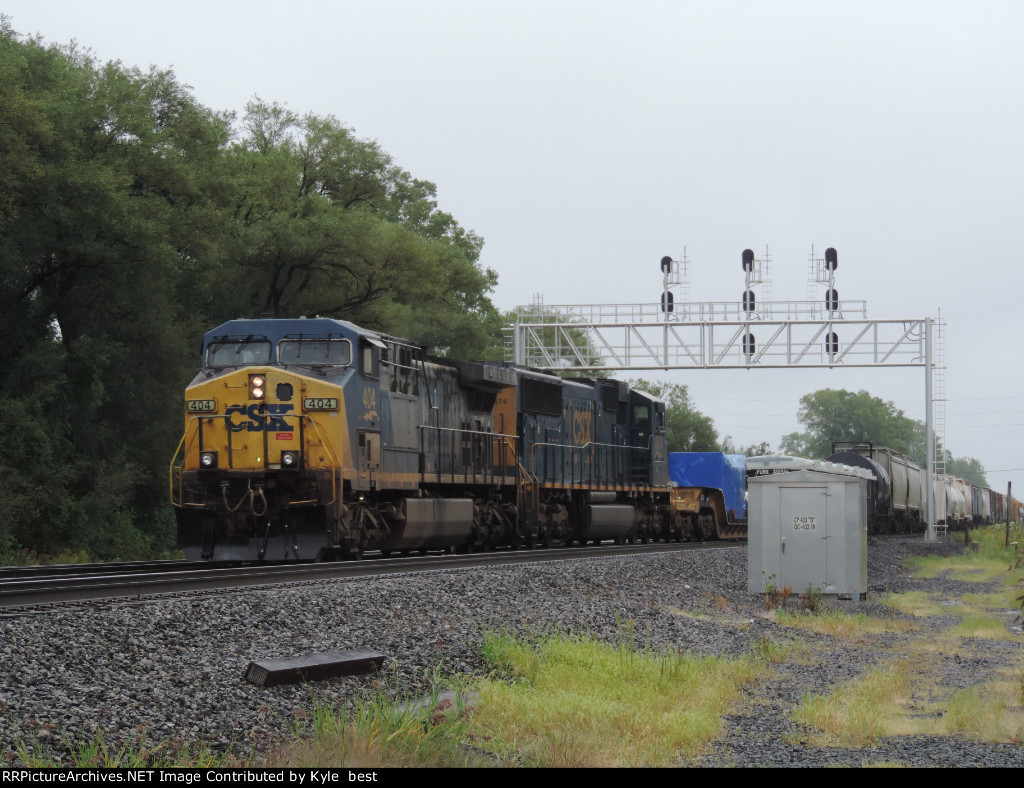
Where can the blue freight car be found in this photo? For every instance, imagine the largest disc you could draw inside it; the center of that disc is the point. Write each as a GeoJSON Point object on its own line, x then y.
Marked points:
{"type": "Point", "coordinates": [720, 477]}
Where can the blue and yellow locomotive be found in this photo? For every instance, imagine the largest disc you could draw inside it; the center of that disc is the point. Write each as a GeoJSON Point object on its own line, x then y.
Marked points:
{"type": "Point", "coordinates": [316, 438]}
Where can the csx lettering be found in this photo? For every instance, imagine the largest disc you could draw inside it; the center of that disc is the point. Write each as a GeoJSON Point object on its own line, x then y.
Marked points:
{"type": "Point", "coordinates": [261, 416]}
{"type": "Point", "coordinates": [581, 427]}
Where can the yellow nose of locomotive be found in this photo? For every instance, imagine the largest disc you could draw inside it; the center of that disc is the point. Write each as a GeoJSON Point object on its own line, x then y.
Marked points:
{"type": "Point", "coordinates": [245, 421]}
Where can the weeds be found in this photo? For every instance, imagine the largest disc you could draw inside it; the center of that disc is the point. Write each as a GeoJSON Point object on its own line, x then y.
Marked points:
{"type": "Point", "coordinates": [134, 754]}
{"type": "Point", "coordinates": [810, 599]}
{"type": "Point", "coordinates": [430, 731]}
{"type": "Point", "coordinates": [768, 650]}
{"type": "Point", "coordinates": [774, 596]}
{"type": "Point", "coordinates": [856, 712]}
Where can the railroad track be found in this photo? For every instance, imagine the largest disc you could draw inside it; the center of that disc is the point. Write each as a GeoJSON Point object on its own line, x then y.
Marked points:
{"type": "Point", "coordinates": [126, 583]}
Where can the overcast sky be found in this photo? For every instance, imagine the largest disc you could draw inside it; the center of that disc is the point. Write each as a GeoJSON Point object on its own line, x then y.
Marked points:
{"type": "Point", "coordinates": [585, 140]}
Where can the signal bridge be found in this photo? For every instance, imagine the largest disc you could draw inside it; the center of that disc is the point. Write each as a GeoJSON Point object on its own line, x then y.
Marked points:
{"type": "Point", "coordinates": [592, 337]}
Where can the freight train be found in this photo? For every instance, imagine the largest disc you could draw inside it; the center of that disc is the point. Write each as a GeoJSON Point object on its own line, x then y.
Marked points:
{"type": "Point", "coordinates": [896, 493]}
{"type": "Point", "coordinates": [897, 499]}
{"type": "Point", "coordinates": [315, 438]}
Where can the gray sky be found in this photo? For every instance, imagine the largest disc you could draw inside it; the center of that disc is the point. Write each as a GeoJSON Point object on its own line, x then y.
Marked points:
{"type": "Point", "coordinates": [585, 140]}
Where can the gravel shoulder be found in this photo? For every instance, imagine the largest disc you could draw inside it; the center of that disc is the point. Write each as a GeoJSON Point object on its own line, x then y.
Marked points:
{"type": "Point", "coordinates": [173, 669]}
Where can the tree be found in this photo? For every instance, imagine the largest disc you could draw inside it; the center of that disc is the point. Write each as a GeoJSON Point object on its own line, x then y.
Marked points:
{"type": "Point", "coordinates": [753, 450]}
{"type": "Point", "coordinates": [106, 175]}
{"type": "Point", "coordinates": [688, 429]}
{"type": "Point", "coordinates": [835, 415]}
{"type": "Point", "coordinates": [967, 468]}
{"type": "Point", "coordinates": [756, 449]}
{"type": "Point", "coordinates": [327, 224]}
{"type": "Point", "coordinates": [132, 219]}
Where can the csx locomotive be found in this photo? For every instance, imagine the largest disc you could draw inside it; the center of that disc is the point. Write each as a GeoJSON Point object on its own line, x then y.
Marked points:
{"type": "Point", "coordinates": [316, 438]}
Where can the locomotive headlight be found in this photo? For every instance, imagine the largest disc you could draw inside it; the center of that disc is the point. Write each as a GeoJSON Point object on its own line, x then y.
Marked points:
{"type": "Point", "coordinates": [208, 459]}
{"type": "Point", "coordinates": [256, 386]}
{"type": "Point", "coordinates": [289, 459]}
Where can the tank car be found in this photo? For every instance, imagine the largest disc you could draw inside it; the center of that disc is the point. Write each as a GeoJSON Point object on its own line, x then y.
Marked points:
{"type": "Point", "coordinates": [316, 438]}
{"type": "Point", "coordinates": [901, 509]}
{"type": "Point", "coordinates": [963, 502]}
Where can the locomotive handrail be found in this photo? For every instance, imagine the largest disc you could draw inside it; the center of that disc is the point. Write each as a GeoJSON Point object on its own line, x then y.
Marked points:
{"type": "Point", "coordinates": [488, 459]}
{"type": "Point", "coordinates": [182, 503]}
{"type": "Point", "coordinates": [335, 465]}
{"type": "Point", "coordinates": [470, 432]}
{"type": "Point", "coordinates": [196, 418]}
{"type": "Point", "coordinates": [617, 447]}
{"type": "Point", "coordinates": [170, 473]}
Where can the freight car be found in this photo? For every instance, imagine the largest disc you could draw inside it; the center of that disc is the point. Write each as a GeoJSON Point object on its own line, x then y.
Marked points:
{"type": "Point", "coordinates": [896, 501]}
{"type": "Point", "coordinates": [901, 508]}
{"type": "Point", "coordinates": [316, 438]}
{"type": "Point", "coordinates": [710, 494]}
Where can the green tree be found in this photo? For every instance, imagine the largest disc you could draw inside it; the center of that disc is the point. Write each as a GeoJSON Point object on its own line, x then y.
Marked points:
{"type": "Point", "coordinates": [105, 176]}
{"type": "Point", "coordinates": [753, 450]}
{"type": "Point", "coordinates": [688, 429]}
{"type": "Point", "coordinates": [967, 468]}
{"type": "Point", "coordinates": [132, 219]}
{"type": "Point", "coordinates": [837, 415]}
{"type": "Point", "coordinates": [327, 224]}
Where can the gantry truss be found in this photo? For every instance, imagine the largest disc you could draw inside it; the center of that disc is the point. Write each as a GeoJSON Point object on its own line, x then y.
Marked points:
{"type": "Point", "coordinates": [713, 335]}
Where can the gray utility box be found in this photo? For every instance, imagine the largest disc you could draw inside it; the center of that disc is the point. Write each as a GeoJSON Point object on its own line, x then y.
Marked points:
{"type": "Point", "coordinates": [809, 529]}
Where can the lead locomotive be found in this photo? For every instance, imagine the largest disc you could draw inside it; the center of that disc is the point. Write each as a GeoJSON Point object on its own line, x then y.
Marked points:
{"type": "Point", "coordinates": [316, 438]}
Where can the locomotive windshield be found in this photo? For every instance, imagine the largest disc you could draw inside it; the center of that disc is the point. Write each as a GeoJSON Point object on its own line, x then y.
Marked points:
{"type": "Point", "coordinates": [238, 354]}
{"type": "Point", "coordinates": [315, 352]}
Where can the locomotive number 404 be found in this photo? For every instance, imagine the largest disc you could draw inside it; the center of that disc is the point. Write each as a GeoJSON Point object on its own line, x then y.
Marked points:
{"type": "Point", "coordinates": [320, 403]}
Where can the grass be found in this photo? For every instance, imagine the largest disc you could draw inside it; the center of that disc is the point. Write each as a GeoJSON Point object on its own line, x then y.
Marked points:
{"type": "Point", "coordinates": [840, 624]}
{"type": "Point", "coordinates": [383, 733]}
{"type": "Point", "coordinates": [577, 702]}
{"type": "Point", "coordinates": [877, 703]}
{"type": "Point", "coordinates": [860, 711]}
{"type": "Point", "coordinates": [137, 754]}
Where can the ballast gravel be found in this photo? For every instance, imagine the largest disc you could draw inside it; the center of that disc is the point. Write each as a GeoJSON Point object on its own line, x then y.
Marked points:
{"type": "Point", "coordinates": [171, 671]}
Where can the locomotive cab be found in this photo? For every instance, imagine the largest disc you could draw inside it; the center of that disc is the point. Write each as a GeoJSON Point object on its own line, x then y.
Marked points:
{"type": "Point", "coordinates": [256, 470]}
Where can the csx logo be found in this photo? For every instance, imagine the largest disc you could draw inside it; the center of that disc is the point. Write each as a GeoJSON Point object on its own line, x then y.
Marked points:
{"type": "Point", "coordinates": [581, 427]}
{"type": "Point", "coordinates": [260, 417]}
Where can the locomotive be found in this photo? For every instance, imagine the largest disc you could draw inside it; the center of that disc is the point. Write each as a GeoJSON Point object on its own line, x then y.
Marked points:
{"type": "Point", "coordinates": [315, 438]}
